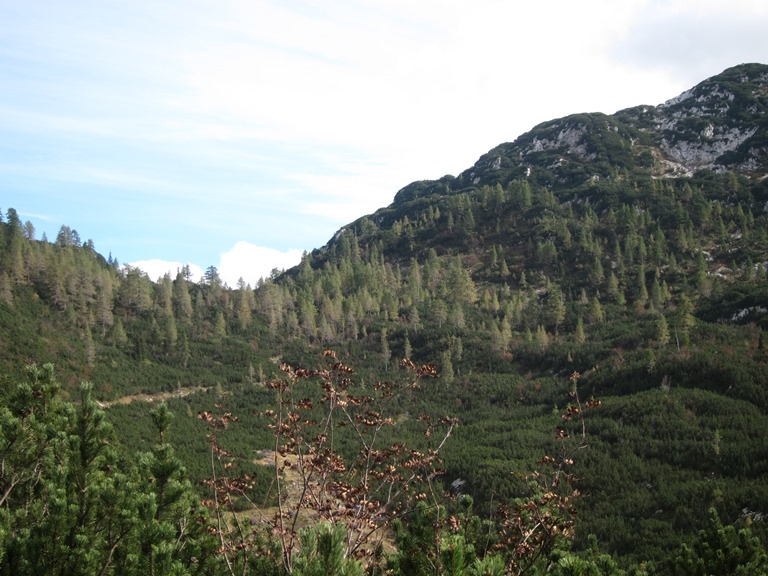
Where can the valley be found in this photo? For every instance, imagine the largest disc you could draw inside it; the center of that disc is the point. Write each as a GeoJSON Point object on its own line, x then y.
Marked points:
{"type": "Point", "coordinates": [584, 309]}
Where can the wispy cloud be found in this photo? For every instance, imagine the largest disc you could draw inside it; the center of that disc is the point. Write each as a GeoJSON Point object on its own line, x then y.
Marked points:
{"type": "Point", "coordinates": [36, 216]}
{"type": "Point", "coordinates": [176, 130]}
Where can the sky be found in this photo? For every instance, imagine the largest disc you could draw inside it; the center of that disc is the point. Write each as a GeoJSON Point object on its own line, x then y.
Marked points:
{"type": "Point", "coordinates": [241, 133]}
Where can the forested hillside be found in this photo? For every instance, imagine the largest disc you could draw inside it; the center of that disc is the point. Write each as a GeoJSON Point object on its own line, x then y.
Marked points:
{"type": "Point", "coordinates": [592, 295]}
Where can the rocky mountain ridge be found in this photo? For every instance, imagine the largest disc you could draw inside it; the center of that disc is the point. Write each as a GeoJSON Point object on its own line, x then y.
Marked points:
{"type": "Point", "coordinates": [720, 124]}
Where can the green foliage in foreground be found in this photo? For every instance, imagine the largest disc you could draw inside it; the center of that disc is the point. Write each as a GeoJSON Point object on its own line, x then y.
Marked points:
{"type": "Point", "coordinates": [535, 263]}
{"type": "Point", "coordinates": [73, 502]}
{"type": "Point", "coordinates": [721, 550]}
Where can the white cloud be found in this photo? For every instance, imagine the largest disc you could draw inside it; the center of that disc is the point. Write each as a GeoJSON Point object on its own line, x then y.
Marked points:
{"type": "Point", "coordinates": [244, 260]}
{"type": "Point", "coordinates": [251, 262]}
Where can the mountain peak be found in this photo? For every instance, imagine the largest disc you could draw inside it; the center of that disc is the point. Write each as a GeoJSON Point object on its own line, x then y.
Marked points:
{"type": "Point", "coordinates": [720, 124]}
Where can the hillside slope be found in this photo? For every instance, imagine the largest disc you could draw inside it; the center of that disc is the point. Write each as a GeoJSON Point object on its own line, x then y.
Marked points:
{"type": "Point", "coordinates": [630, 249]}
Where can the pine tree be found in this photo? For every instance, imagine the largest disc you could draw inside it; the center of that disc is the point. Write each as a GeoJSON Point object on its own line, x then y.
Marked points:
{"type": "Point", "coordinates": [457, 348]}
{"type": "Point", "coordinates": [656, 294]}
{"type": "Point", "coordinates": [322, 553]}
{"type": "Point", "coordinates": [542, 338]}
{"type": "Point", "coordinates": [596, 313]}
{"type": "Point", "coordinates": [414, 285]}
{"type": "Point", "coordinates": [211, 277]}
{"type": "Point", "coordinates": [497, 345]}
{"type": "Point", "coordinates": [104, 304]}
{"type": "Point", "coordinates": [168, 537]}
{"type": "Point", "coordinates": [181, 300]}
{"type": "Point", "coordinates": [641, 294]}
{"type": "Point", "coordinates": [554, 307]}
{"type": "Point", "coordinates": [579, 334]}
{"type": "Point", "coordinates": [597, 275]}
{"type": "Point", "coordinates": [504, 269]}
{"type": "Point", "coordinates": [245, 304]}
{"type": "Point", "coordinates": [702, 284]}
{"type": "Point", "coordinates": [721, 550]}
{"type": "Point", "coordinates": [171, 333]}
{"type": "Point", "coordinates": [407, 349]}
{"type": "Point", "coordinates": [386, 352]}
{"type": "Point", "coordinates": [79, 514]}
{"type": "Point", "coordinates": [220, 325]}
{"type": "Point", "coordinates": [662, 331]}
{"type": "Point", "coordinates": [446, 365]}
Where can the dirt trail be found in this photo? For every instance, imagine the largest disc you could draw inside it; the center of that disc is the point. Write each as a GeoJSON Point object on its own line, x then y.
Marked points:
{"type": "Point", "coordinates": [154, 397]}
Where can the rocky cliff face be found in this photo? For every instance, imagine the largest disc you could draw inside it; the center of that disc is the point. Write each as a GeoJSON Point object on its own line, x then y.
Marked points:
{"type": "Point", "coordinates": [721, 124]}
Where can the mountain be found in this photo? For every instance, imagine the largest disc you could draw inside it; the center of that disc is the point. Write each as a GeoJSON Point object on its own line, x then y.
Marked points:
{"type": "Point", "coordinates": [719, 125]}
{"type": "Point", "coordinates": [623, 254]}
{"type": "Point", "coordinates": [629, 248]}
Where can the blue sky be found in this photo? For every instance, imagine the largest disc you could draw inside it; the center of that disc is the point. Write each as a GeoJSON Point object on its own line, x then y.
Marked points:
{"type": "Point", "coordinates": [240, 133]}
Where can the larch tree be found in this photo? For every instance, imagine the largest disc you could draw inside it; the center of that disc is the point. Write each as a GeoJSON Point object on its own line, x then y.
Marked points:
{"type": "Point", "coordinates": [662, 331]}
{"type": "Point", "coordinates": [181, 299]}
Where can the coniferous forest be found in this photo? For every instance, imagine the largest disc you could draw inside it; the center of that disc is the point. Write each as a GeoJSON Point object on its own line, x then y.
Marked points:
{"type": "Point", "coordinates": [552, 363]}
